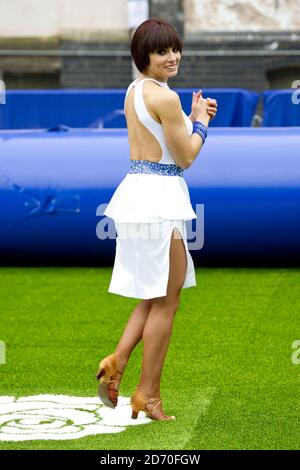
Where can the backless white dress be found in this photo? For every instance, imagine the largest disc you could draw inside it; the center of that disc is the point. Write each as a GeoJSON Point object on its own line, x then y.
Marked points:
{"type": "Point", "coordinates": [148, 204]}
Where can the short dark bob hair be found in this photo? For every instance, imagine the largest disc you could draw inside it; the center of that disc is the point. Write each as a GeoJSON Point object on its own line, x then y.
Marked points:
{"type": "Point", "coordinates": [151, 35]}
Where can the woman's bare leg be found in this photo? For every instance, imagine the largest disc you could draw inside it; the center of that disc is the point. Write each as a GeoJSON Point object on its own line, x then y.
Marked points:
{"type": "Point", "coordinates": [159, 324]}
{"type": "Point", "coordinates": [132, 334]}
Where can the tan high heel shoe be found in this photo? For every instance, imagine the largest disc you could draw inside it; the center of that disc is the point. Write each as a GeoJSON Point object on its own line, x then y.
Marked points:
{"type": "Point", "coordinates": [107, 368]}
{"type": "Point", "coordinates": [139, 403]}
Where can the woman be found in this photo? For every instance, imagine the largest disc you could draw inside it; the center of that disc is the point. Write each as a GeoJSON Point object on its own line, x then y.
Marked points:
{"type": "Point", "coordinates": [150, 207]}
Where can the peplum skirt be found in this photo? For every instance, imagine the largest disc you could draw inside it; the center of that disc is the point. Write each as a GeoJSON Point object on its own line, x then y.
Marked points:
{"type": "Point", "coordinates": [146, 208]}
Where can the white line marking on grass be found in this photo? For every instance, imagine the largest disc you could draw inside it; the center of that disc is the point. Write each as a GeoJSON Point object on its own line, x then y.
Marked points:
{"type": "Point", "coordinates": [200, 402]}
{"type": "Point", "coordinates": [61, 417]}
{"type": "Point", "coordinates": [2, 352]}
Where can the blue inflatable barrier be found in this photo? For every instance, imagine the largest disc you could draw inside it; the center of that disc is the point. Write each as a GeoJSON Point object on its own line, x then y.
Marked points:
{"type": "Point", "coordinates": [103, 108]}
{"type": "Point", "coordinates": [281, 108]}
{"type": "Point", "coordinates": [236, 107]}
{"type": "Point", "coordinates": [54, 187]}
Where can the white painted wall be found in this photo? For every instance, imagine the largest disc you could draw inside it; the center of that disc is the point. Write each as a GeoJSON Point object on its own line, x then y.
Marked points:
{"type": "Point", "coordinates": [38, 18]}
{"type": "Point", "coordinates": [241, 15]}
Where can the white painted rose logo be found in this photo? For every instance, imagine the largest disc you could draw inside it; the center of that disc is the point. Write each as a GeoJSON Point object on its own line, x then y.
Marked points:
{"type": "Point", "coordinates": [62, 417]}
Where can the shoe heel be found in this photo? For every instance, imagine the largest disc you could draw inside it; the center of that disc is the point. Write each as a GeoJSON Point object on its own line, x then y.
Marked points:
{"type": "Point", "coordinates": [134, 414]}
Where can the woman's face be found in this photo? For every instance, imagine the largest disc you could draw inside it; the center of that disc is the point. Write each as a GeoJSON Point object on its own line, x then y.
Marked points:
{"type": "Point", "coordinates": [164, 63]}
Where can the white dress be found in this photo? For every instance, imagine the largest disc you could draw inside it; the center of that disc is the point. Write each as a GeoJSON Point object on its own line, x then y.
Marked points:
{"type": "Point", "coordinates": [146, 206]}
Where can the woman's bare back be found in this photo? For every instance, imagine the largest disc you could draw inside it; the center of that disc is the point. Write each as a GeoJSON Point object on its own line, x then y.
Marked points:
{"type": "Point", "coordinates": [143, 145]}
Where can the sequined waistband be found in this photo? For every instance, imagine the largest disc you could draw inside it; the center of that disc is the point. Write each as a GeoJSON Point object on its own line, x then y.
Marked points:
{"type": "Point", "coordinates": [145, 166]}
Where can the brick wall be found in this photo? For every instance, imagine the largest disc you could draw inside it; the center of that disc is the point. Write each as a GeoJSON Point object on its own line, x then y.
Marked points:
{"type": "Point", "coordinates": [109, 65]}
{"type": "Point", "coordinates": [209, 69]}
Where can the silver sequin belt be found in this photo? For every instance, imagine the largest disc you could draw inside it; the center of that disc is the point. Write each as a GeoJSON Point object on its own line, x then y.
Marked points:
{"type": "Point", "coordinates": [145, 166]}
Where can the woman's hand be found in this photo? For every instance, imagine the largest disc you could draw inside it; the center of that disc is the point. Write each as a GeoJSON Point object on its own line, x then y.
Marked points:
{"type": "Point", "coordinates": [203, 108]}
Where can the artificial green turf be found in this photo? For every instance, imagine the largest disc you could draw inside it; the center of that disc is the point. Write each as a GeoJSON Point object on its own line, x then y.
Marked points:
{"type": "Point", "coordinates": [228, 374]}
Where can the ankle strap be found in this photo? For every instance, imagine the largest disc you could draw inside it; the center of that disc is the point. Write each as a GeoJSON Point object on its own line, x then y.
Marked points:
{"type": "Point", "coordinates": [152, 400]}
{"type": "Point", "coordinates": [115, 380]}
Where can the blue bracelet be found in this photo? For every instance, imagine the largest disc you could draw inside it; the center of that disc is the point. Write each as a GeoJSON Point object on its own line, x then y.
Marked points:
{"type": "Point", "coordinates": [201, 129]}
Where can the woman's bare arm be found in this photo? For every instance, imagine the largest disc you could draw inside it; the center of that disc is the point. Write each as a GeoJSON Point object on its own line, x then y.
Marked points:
{"type": "Point", "coordinates": [183, 147]}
